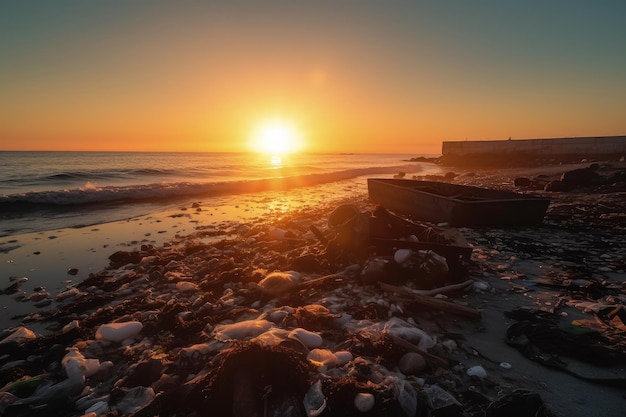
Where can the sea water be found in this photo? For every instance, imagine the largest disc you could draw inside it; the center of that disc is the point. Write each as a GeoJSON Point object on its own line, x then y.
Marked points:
{"type": "Point", "coordinates": [50, 190]}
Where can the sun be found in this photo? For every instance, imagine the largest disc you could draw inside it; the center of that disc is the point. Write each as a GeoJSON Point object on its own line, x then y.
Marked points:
{"type": "Point", "coordinates": [276, 137]}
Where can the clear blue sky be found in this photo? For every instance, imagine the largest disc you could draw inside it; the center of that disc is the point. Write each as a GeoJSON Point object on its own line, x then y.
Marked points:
{"type": "Point", "coordinates": [352, 75]}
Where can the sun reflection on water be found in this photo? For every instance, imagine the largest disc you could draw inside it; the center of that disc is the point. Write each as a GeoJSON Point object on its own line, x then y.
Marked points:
{"type": "Point", "coordinates": [276, 161]}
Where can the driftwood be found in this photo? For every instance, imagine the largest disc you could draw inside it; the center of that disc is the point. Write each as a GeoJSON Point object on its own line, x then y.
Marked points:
{"type": "Point", "coordinates": [434, 303]}
{"type": "Point", "coordinates": [315, 281]}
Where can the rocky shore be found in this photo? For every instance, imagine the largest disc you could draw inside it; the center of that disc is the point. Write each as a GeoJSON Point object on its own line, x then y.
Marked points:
{"type": "Point", "coordinates": [293, 315]}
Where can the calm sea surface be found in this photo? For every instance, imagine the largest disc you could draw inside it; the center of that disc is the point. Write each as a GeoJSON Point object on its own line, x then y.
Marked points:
{"type": "Point", "coordinates": [48, 190]}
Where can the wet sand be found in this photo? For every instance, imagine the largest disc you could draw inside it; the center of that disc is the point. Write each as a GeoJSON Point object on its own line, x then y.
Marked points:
{"type": "Point", "coordinates": [580, 239]}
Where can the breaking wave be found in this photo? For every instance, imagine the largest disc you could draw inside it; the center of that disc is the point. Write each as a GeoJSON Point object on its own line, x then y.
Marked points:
{"type": "Point", "coordinates": [91, 194]}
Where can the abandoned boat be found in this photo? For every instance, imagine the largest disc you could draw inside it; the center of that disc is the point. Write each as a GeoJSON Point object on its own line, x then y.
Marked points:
{"type": "Point", "coordinates": [458, 205]}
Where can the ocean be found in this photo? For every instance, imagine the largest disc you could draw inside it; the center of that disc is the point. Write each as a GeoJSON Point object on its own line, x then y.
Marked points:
{"type": "Point", "coordinates": [50, 190]}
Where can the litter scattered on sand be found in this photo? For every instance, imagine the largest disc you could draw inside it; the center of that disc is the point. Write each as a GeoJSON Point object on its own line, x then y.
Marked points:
{"type": "Point", "coordinates": [343, 310]}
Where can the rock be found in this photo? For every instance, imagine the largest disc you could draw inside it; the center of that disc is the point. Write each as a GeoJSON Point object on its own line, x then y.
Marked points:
{"type": "Point", "coordinates": [19, 335]}
{"type": "Point", "coordinates": [617, 177]}
{"type": "Point", "coordinates": [582, 177]}
{"type": "Point", "coordinates": [72, 271]}
{"type": "Point", "coordinates": [121, 258]}
{"type": "Point", "coordinates": [522, 182]}
{"type": "Point", "coordinates": [376, 269]}
{"type": "Point", "coordinates": [186, 286]}
{"type": "Point", "coordinates": [556, 186]}
{"type": "Point", "coordinates": [145, 373]}
{"type": "Point", "coordinates": [364, 402]}
{"type": "Point", "coordinates": [412, 364]}
{"type": "Point", "coordinates": [343, 357]}
{"type": "Point", "coordinates": [402, 256]}
{"type": "Point", "coordinates": [38, 296]}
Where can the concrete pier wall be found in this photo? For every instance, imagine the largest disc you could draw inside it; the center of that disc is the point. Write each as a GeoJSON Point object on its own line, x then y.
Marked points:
{"type": "Point", "coordinates": [602, 145]}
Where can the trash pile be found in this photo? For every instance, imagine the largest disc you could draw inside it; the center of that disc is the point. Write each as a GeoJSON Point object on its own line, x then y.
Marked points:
{"type": "Point", "coordinates": [297, 319]}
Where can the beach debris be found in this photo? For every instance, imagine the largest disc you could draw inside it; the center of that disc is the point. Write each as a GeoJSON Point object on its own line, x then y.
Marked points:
{"type": "Point", "coordinates": [364, 402]}
{"type": "Point", "coordinates": [477, 371]}
{"type": "Point", "coordinates": [253, 324]}
{"type": "Point", "coordinates": [435, 303]}
{"type": "Point", "coordinates": [441, 401]}
{"type": "Point", "coordinates": [241, 330]}
{"type": "Point", "coordinates": [118, 332]}
{"type": "Point", "coordinates": [314, 400]}
{"type": "Point", "coordinates": [19, 334]}
{"type": "Point", "coordinates": [68, 293]}
{"type": "Point", "coordinates": [307, 338]}
{"type": "Point", "coordinates": [520, 402]}
{"type": "Point", "coordinates": [412, 363]}
{"type": "Point", "coordinates": [277, 283]}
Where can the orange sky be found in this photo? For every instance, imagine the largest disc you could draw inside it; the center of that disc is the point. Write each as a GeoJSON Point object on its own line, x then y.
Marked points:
{"type": "Point", "coordinates": [362, 76]}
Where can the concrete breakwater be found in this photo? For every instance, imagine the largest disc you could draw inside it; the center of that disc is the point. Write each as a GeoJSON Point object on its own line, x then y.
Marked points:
{"type": "Point", "coordinates": [517, 151]}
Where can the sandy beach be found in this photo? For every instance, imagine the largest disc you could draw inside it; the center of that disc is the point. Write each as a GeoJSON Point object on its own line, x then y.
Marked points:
{"type": "Point", "coordinates": [217, 328]}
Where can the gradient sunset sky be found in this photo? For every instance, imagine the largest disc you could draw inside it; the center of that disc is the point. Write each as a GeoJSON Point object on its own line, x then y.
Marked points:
{"type": "Point", "coordinates": [353, 76]}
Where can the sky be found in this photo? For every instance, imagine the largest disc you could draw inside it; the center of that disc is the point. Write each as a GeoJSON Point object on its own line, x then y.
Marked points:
{"type": "Point", "coordinates": [347, 76]}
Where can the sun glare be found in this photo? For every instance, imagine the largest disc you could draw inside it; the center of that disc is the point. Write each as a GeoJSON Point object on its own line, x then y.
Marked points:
{"type": "Point", "coordinates": [276, 137]}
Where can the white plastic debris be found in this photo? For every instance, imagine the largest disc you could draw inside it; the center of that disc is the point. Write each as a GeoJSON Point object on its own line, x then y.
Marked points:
{"type": "Point", "coordinates": [272, 337]}
{"type": "Point", "coordinates": [322, 358]}
{"type": "Point", "coordinates": [76, 366]}
{"type": "Point", "coordinates": [400, 328]}
{"type": "Point", "coordinates": [98, 408]}
{"type": "Point", "coordinates": [135, 399]}
{"type": "Point", "coordinates": [117, 332]}
{"type": "Point", "coordinates": [308, 339]}
{"type": "Point", "coordinates": [477, 371]}
{"type": "Point", "coordinates": [439, 398]}
{"type": "Point", "coordinates": [481, 286]}
{"type": "Point", "coordinates": [314, 401]}
{"type": "Point", "coordinates": [241, 330]}
{"type": "Point", "coordinates": [405, 393]}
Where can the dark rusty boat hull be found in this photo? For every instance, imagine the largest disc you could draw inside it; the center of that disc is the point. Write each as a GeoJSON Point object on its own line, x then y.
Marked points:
{"type": "Point", "coordinates": [458, 205]}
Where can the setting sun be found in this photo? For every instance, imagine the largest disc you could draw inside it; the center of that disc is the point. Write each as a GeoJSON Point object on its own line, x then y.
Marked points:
{"type": "Point", "coordinates": [276, 137]}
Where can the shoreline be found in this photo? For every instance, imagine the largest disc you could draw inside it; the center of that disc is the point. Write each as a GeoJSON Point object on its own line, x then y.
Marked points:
{"type": "Point", "coordinates": [509, 268]}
